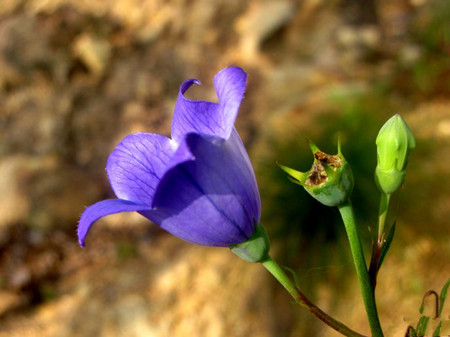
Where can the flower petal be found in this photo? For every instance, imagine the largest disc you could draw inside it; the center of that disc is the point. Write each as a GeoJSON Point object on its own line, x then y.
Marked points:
{"type": "Point", "coordinates": [101, 209]}
{"type": "Point", "coordinates": [212, 200]}
{"type": "Point", "coordinates": [137, 164]}
{"type": "Point", "coordinates": [215, 119]}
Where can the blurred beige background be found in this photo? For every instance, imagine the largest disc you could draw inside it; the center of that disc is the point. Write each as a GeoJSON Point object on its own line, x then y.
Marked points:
{"type": "Point", "coordinates": [77, 76]}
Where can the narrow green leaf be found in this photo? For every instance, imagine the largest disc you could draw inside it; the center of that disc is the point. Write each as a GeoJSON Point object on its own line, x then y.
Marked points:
{"type": "Point", "coordinates": [443, 296]}
{"type": "Point", "coordinates": [437, 332]}
{"type": "Point", "coordinates": [411, 332]}
{"type": "Point", "coordinates": [422, 306]}
{"type": "Point", "coordinates": [386, 245]}
{"type": "Point", "coordinates": [294, 275]}
{"type": "Point", "coordinates": [422, 326]}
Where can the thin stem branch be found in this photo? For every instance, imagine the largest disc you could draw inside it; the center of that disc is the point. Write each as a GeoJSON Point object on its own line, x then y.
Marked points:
{"type": "Point", "coordinates": [348, 218]}
{"type": "Point", "coordinates": [380, 240]}
{"type": "Point", "coordinates": [301, 299]}
{"type": "Point", "coordinates": [382, 213]}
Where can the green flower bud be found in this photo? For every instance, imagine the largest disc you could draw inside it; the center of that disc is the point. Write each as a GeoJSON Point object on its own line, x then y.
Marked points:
{"type": "Point", "coordinates": [255, 249]}
{"type": "Point", "coordinates": [330, 179]}
{"type": "Point", "coordinates": [394, 143]}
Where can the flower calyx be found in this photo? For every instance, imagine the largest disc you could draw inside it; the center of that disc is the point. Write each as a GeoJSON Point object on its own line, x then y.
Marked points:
{"type": "Point", "coordinates": [330, 179]}
{"type": "Point", "coordinates": [256, 248]}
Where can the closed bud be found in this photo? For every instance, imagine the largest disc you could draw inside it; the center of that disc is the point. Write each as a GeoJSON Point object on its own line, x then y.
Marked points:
{"type": "Point", "coordinates": [394, 143]}
{"type": "Point", "coordinates": [330, 179]}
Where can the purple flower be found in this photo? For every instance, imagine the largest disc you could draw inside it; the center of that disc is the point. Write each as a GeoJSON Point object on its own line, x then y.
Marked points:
{"type": "Point", "coordinates": [198, 185]}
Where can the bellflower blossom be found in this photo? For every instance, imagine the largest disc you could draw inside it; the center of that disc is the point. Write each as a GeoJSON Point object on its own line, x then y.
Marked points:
{"type": "Point", "coordinates": [198, 185]}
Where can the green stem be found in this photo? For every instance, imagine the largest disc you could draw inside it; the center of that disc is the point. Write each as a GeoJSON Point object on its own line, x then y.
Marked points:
{"type": "Point", "coordinates": [301, 299]}
{"type": "Point", "coordinates": [382, 213]}
{"type": "Point", "coordinates": [346, 211]}
{"type": "Point", "coordinates": [375, 262]}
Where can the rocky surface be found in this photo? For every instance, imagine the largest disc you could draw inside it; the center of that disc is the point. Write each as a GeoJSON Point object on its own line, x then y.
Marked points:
{"type": "Point", "coordinates": [76, 77]}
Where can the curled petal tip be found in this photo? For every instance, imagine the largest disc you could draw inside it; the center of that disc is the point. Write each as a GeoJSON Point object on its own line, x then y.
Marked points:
{"type": "Point", "coordinates": [210, 118]}
{"type": "Point", "coordinates": [101, 209]}
{"type": "Point", "coordinates": [81, 241]}
{"type": "Point", "coordinates": [187, 84]}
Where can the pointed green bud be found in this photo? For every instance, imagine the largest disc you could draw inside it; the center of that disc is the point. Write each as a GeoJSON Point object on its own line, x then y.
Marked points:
{"type": "Point", "coordinates": [394, 143]}
{"type": "Point", "coordinates": [255, 249]}
{"type": "Point", "coordinates": [330, 179]}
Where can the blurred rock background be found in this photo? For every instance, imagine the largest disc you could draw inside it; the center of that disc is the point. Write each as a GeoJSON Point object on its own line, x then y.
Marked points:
{"type": "Point", "coordinates": [77, 76]}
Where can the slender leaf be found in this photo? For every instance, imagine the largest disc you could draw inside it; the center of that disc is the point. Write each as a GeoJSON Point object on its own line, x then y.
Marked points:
{"type": "Point", "coordinates": [443, 296]}
{"type": "Point", "coordinates": [386, 245]}
{"type": "Point", "coordinates": [422, 306]}
{"type": "Point", "coordinates": [437, 332]}
{"type": "Point", "coordinates": [294, 275]}
{"type": "Point", "coordinates": [422, 326]}
{"type": "Point", "coordinates": [411, 332]}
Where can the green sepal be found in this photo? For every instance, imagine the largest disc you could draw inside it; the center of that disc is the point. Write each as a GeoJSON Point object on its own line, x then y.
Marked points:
{"type": "Point", "coordinates": [295, 176]}
{"type": "Point", "coordinates": [313, 147]}
{"type": "Point", "coordinates": [255, 249]}
{"type": "Point", "coordinates": [389, 181]}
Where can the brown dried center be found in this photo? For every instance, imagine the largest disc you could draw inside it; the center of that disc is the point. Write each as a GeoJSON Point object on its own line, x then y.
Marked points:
{"type": "Point", "coordinates": [328, 159]}
{"type": "Point", "coordinates": [318, 175]}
